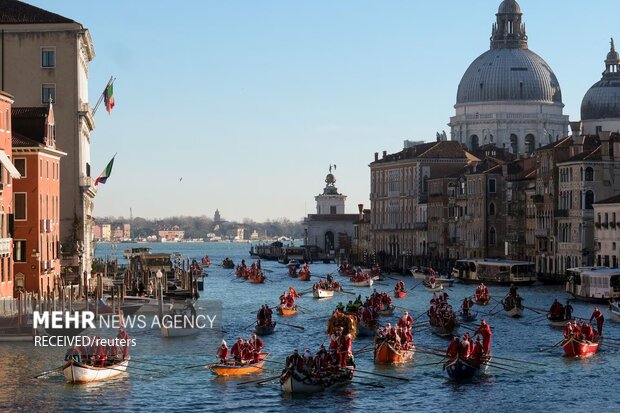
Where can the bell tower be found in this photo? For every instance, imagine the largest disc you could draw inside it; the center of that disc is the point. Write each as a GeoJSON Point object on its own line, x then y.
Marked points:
{"type": "Point", "coordinates": [330, 202]}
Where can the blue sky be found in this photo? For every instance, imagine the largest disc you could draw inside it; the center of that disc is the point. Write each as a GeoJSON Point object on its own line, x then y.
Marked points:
{"type": "Point", "coordinates": [250, 101]}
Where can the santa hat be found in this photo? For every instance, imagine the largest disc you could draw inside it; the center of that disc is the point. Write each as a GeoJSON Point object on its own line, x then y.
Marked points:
{"type": "Point", "coordinates": [223, 342]}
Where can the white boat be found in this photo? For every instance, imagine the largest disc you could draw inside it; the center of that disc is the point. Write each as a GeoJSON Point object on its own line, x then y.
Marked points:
{"type": "Point", "coordinates": [365, 283]}
{"type": "Point", "coordinates": [389, 310]}
{"type": "Point", "coordinates": [594, 284]}
{"type": "Point", "coordinates": [173, 332]}
{"type": "Point", "coordinates": [614, 311]}
{"type": "Point", "coordinates": [445, 279]}
{"type": "Point", "coordinates": [76, 372]}
{"type": "Point", "coordinates": [418, 273]}
{"type": "Point", "coordinates": [321, 293]}
{"type": "Point", "coordinates": [514, 312]}
{"type": "Point", "coordinates": [432, 287]}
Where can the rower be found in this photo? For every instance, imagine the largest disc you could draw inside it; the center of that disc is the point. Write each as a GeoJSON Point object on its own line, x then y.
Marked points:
{"type": "Point", "coordinates": [513, 291]}
{"type": "Point", "coordinates": [568, 311]}
{"type": "Point", "coordinates": [237, 349]}
{"type": "Point", "coordinates": [406, 321]}
{"type": "Point", "coordinates": [453, 348]}
{"type": "Point", "coordinates": [485, 331]}
{"type": "Point", "coordinates": [258, 345]}
{"type": "Point", "coordinates": [600, 319]}
{"type": "Point", "coordinates": [478, 351]}
{"type": "Point", "coordinates": [222, 352]}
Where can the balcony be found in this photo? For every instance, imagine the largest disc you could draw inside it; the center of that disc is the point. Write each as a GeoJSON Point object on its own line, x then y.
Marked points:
{"type": "Point", "coordinates": [5, 245]}
{"type": "Point", "coordinates": [542, 232]}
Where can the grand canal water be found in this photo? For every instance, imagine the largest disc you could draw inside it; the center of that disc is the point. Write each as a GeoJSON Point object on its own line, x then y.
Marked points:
{"type": "Point", "coordinates": [560, 385]}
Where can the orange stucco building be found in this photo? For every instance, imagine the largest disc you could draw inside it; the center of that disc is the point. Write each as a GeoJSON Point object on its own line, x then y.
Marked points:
{"type": "Point", "coordinates": [7, 173]}
{"type": "Point", "coordinates": [36, 199]}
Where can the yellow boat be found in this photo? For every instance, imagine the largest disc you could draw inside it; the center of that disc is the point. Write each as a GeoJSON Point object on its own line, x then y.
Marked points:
{"type": "Point", "coordinates": [239, 369]}
{"type": "Point", "coordinates": [286, 312]}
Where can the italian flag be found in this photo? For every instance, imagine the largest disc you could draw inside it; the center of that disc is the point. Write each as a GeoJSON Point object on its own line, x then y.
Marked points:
{"type": "Point", "coordinates": [106, 172]}
{"type": "Point", "coordinates": [108, 97]}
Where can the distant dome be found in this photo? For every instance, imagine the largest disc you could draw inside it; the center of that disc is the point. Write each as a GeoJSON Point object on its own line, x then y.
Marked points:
{"type": "Point", "coordinates": [509, 6]}
{"type": "Point", "coordinates": [602, 100]}
{"type": "Point", "coordinates": [509, 74]}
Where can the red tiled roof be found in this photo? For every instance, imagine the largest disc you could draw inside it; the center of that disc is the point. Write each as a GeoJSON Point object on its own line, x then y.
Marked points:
{"type": "Point", "coordinates": [567, 141]}
{"type": "Point", "coordinates": [17, 12]}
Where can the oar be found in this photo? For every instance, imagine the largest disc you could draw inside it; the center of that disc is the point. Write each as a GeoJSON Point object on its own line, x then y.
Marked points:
{"type": "Point", "coordinates": [258, 381]}
{"type": "Point", "coordinates": [381, 375]}
{"type": "Point", "coordinates": [303, 308]}
{"type": "Point", "coordinates": [429, 364]}
{"type": "Point", "coordinates": [377, 385]}
{"type": "Point", "coordinates": [273, 361]}
{"type": "Point", "coordinates": [347, 292]}
{"type": "Point", "coordinates": [533, 309]}
{"type": "Point", "coordinates": [253, 322]}
{"type": "Point", "coordinates": [502, 368]}
{"type": "Point", "coordinates": [292, 325]}
{"type": "Point", "coordinates": [45, 373]}
{"type": "Point", "coordinates": [517, 360]}
{"type": "Point", "coordinates": [415, 286]}
{"type": "Point", "coordinates": [155, 364]}
{"type": "Point", "coordinates": [201, 365]}
{"type": "Point", "coordinates": [552, 347]}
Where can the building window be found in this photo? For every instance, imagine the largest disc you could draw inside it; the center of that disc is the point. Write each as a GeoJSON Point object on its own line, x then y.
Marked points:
{"type": "Point", "coordinates": [19, 205]}
{"type": "Point", "coordinates": [492, 209]}
{"type": "Point", "coordinates": [19, 250]}
{"type": "Point", "coordinates": [48, 57]}
{"type": "Point", "coordinates": [332, 210]}
{"type": "Point", "coordinates": [589, 199]}
{"type": "Point", "coordinates": [530, 143]}
{"type": "Point", "coordinates": [492, 185]}
{"type": "Point", "coordinates": [48, 93]}
{"type": "Point", "coordinates": [20, 165]}
{"type": "Point", "coordinates": [589, 175]}
{"type": "Point", "coordinates": [492, 236]}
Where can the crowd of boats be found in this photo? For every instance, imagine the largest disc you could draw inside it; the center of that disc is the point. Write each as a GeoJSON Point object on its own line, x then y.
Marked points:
{"type": "Point", "coordinates": [333, 366]}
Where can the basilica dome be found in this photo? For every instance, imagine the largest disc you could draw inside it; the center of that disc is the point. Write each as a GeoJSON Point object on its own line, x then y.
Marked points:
{"type": "Point", "coordinates": [602, 100]}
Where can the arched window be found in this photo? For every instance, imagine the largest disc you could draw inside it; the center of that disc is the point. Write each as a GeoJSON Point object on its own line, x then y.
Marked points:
{"type": "Point", "coordinates": [492, 209]}
{"type": "Point", "coordinates": [530, 143]}
{"type": "Point", "coordinates": [589, 199]}
{"type": "Point", "coordinates": [589, 175]}
{"type": "Point", "coordinates": [329, 240]}
{"type": "Point", "coordinates": [492, 236]}
{"type": "Point", "coordinates": [475, 142]}
{"type": "Point", "coordinates": [514, 143]}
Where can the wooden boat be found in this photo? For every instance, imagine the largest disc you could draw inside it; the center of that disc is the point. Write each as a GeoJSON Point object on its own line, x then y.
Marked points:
{"type": "Point", "coordinates": [265, 330]}
{"type": "Point", "coordinates": [445, 279]}
{"type": "Point", "coordinates": [400, 294]}
{"type": "Point", "coordinates": [366, 330]}
{"type": "Point", "coordinates": [77, 372]}
{"type": "Point", "coordinates": [234, 369]}
{"type": "Point", "coordinates": [321, 293]}
{"type": "Point", "coordinates": [173, 332]}
{"type": "Point", "coordinates": [257, 279]}
{"type": "Point", "coordinates": [559, 322]}
{"type": "Point", "coordinates": [469, 317]}
{"type": "Point", "coordinates": [304, 275]}
{"type": "Point", "coordinates": [614, 311]}
{"type": "Point", "coordinates": [287, 312]}
{"type": "Point", "coordinates": [295, 382]}
{"type": "Point", "coordinates": [206, 261]}
{"type": "Point", "coordinates": [387, 311]}
{"type": "Point", "coordinates": [482, 300]}
{"type": "Point", "coordinates": [366, 283]}
{"type": "Point", "coordinates": [228, 264]}
{"type": "Point", "coordinates": [444, 330]}
{"type": "Point", "coordinates": [514, 310]}
{"type": "Point", "coordinates": [574, 347]}
{"type": "Point", "coordinates": [385, 353]}
{"type": "Point", "coordinates": [432, 287]}
{"type": "Point", "coordinates": [460, 369]}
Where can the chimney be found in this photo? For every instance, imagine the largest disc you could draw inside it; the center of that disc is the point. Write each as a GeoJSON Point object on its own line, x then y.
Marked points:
{"type": "Point", "coordinates": [376, 156]}
{"type": "Point", "coordinates": [575, 127]}
{"type": "Point", "coordinates": [604, 136]}
{"type": "Point", "coordinates": [384, 154]}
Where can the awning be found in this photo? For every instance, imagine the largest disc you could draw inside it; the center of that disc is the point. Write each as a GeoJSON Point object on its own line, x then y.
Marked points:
{"type": "Point", "coordinates": [6, 162]}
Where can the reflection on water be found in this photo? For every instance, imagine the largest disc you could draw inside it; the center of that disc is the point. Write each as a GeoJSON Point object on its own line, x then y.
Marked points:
{"type": "Point", "coordinates": [170, 386]}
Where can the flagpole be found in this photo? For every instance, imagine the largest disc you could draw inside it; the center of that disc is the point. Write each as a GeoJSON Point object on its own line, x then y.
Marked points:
{"type": "Point", "coordinates": [110, 82]}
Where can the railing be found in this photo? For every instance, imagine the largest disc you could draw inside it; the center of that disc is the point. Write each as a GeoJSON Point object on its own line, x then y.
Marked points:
{"type": "Point", "coordinates": [542, 232]}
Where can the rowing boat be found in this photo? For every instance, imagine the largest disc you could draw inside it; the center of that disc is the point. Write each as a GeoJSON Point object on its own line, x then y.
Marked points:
{"type": "Point", "coordinates": [574, 347]}
{"type": "Point", "coordinates": [386, 311]}
{"type": "Point", "coordinates": [460, 369]}
{"type": "Point", "coordinates": [296, 382]}
{"type": "Point", "coordinates": [432, 287]}
{"type": "Point", "coordinates": [77, 372]}
{"type": "Point", "coordinates": [234, 369]}
{"type": "Point", "coordinates": [400, 294]}
{"type": "Point", "coordinates": [365, 283]}
{"type": "Point", "coordinates": [321, 293]}
{"type": "Point", "coordinates": [468, 318]}
{"type": "Point", "coordinates": [614, 311]}
{"type": "Point", "coordinates": [385, 353]}
{"type": "Point", "coordinates": [483, 300]}
{"type": "Point", "coordinates": [286, 312]}
{"type": "Point", "coordinates": [265, 330]}
{"type": "Point", "coordinates": [556, 321]}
